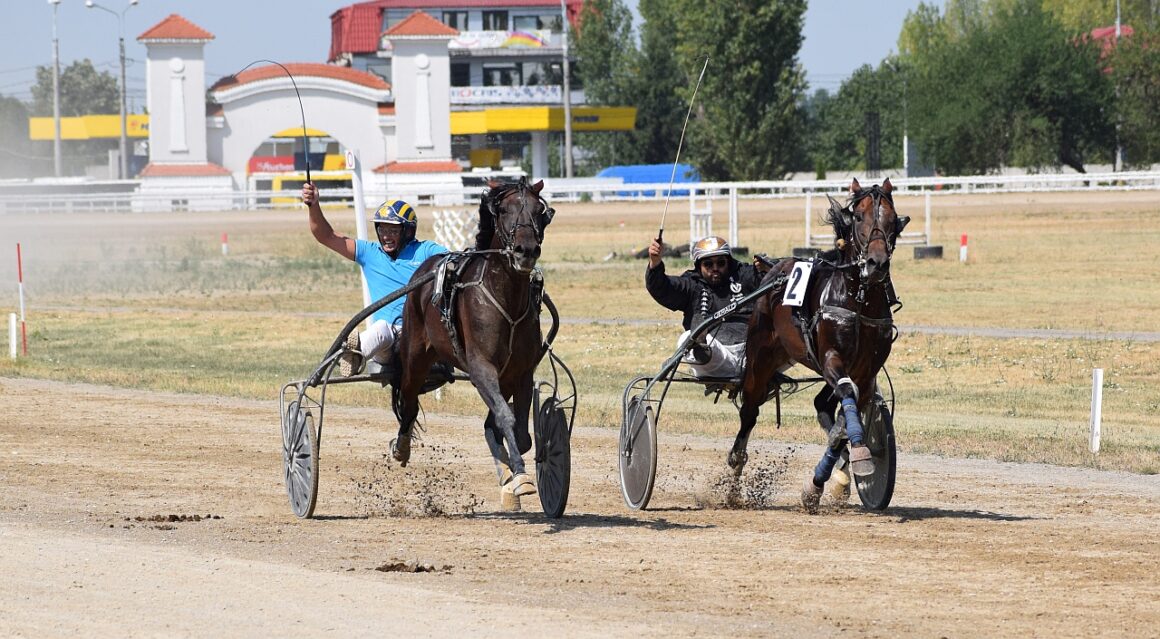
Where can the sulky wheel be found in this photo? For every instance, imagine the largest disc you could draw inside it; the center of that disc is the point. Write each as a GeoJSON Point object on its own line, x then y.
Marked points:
{"type": "Point", "coordinates": [300, 456]}
{"type": "Point", "coordinates": [638, 454]}
{"type": "Point", "coordinates": [876, 489]}
{"type": "Point", "coordinates": [553, 457]}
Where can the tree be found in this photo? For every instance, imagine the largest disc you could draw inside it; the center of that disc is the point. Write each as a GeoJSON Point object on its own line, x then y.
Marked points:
{"type": "Point", "coordinates": [83, 91]}
{"type": "Point", "coordinates": [609, 71]}
{"type": "Point", "coordinates": [749, 123]}
{"type": "Point", "coordinates": [1010, 88]}
{"type": "Point", "coordinates": [839, 136]}
{"type": "Point", "coordinates": [660, 109]}
{"type": "Point", "coordinates": [1135, 67]}
{"type": "Point", "coordinates": [18, 158]}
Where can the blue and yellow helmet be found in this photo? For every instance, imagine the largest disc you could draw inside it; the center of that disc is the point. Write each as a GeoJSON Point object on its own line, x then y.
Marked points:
{"type": "Point", "coordinates": [396, 212]}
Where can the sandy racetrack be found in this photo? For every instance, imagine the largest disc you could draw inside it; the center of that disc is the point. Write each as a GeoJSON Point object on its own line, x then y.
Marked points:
{"type": "Point", "coordinates": [131, 513]}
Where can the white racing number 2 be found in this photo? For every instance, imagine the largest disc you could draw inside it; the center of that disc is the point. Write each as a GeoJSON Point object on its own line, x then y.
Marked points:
{"type": "Point", "coordinates": [799, 278]}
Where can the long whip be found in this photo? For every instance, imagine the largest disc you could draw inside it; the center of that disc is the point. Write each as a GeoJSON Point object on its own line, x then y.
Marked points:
{"type": "Point", "coordinates": [302, 111]}
{"type": "Point", "coordinates": [680, 143]}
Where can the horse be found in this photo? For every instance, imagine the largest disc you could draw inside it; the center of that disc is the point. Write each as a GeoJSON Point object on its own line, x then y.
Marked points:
{"type": "Point", "coordinates": [488, 326]}
{"type": "Point", "coordinates": [843, 331]}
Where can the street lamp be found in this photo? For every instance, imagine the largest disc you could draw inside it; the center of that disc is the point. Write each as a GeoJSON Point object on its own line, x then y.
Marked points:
{"type": "Point", "coordinates": [55, 92]}
{"type": "Point", "coordinates": [567, 98]}
{"type": "Point", "coordinates": [121, 40]}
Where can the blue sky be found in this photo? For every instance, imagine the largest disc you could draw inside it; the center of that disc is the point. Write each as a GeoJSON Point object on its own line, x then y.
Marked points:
{"type": "Point", "coordinates": [299, 31]}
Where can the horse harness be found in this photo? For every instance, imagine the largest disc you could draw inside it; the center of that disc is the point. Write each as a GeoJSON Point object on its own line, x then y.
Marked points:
{"type": "Point", "coordinates": [448, 286]}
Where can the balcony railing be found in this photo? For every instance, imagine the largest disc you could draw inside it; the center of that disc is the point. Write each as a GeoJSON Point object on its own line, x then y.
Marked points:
{"type": "Point", "coordinates": [528, 40]}
{"type": "Point", "coordinates": [538, 94]}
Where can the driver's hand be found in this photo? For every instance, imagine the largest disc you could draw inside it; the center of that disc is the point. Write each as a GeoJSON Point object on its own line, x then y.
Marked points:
{"type": "Point", "coordinates": [761, 265]}
{"type": "Point", "coordinates": [654, 253]}
{"type": "Point", "coordinates": [309, 194]}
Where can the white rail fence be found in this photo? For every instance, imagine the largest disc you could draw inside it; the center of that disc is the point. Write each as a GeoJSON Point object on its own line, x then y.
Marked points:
{"type": "Point", "coordinates": [458, 229]}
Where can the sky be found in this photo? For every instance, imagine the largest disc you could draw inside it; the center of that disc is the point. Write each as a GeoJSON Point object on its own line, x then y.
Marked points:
{"type": "Point", "coordinates": [299, 31]}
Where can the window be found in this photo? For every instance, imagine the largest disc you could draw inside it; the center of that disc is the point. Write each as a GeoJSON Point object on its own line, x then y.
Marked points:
{"type": "Point", "coordinates": [526, 23]}
{"type": "Point", "coordinates": [460, 74]}
{"type": "Point", "coordinates": [534, 73]}
{"type": "Point", "coordinates": [455, 19]}
{"type": "Point", "coordinates": [501, 75]}
{"type": "Point", "coordinates": [495, 20]}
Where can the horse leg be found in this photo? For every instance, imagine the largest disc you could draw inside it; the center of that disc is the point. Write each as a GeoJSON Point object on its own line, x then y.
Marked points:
{"type": "Point", "coordinates": [522, 405]}
{"type": "Point", "coordinates": [754, 390]}
{"type": "Point", "coordinates": [503, 420]}
{"type": "Point", "coordinates": [406, 403]}
{"type": "Point", "coordinates": [508, 500]}
{"type": "Point", "coordinates": [834, 370]}
{"type": "Point", "coordinates": [824, 403]}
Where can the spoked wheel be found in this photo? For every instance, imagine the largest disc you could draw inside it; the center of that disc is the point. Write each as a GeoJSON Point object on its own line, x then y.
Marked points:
{"type": "Point", "coordinates": [638, 454]}
{"type": "Point", "coordinates": [553, 457]}
{"type": "Point", "coordinates": [300, 456]}
{"type": "Point", "coordinates": [875, 490]}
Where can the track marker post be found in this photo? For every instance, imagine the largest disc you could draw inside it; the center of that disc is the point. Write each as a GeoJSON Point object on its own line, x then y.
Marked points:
{"type": "Point", "coordinates": [20, 288]}
{"type": "Point", "coordinates": [1097, 407]}
{"type": "Point", "coordinates": [225, 244]}
{"type": "Point", "coordinates": [963, 249]}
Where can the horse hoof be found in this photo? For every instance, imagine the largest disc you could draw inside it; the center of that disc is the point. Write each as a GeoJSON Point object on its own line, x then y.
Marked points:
{"type": "Point", "coordinates": [522, 484]}
{"type": "Point", "coordinates": [839, 491]}
{"type": "Point", "coordinates": [737, 461]}
{"type": "Point", "coordinates": [861, 461]}
{"type": "Point", "coordinates": [508, 501]}
{"type": "Point", "coordinates": [811, 496]}
{"type": "Point", "coordinates": [523, 440]}
{"type": "Point", "coordinates": [401, 450]}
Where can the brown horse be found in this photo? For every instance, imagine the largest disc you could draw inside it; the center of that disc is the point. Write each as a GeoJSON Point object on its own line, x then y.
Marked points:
{"type": "Point", "coordinates": [843, 330]}
{"type": "Point", "coordinates": [488, 326]}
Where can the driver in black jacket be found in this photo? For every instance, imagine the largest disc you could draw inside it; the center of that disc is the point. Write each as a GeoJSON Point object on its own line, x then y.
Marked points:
{"type": "Point", "coordinates": [715, 281]}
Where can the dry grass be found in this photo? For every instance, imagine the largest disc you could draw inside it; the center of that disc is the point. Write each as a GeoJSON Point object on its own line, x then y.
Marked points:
{"type": "Point", "coordinates": [150, 302]}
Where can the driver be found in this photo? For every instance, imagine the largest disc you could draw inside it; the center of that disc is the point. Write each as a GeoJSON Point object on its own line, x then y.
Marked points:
{"type": "Point", "coordinates": [715, 281]}
{"type": "Point", "coordinates": [387, 264]}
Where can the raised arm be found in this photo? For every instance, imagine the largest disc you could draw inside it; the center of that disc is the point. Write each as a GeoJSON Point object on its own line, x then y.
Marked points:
{"type": "Point", "coordinates": [321, 229]}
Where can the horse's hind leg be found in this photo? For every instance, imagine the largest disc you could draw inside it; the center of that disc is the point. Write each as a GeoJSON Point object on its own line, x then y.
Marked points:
{"type": "Point", "coordinates": [754, 390]}
{"type": "Point", "coordinates": [406, 404]}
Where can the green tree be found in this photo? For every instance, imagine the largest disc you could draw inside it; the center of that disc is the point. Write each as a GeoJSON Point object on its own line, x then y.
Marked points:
{"type": "Point", "coordinates": [83, 91]}
{"type": "Point", "coordinates": [18, 155]}
{"type": "Point", "coordinates": [1135, 66]}
{"type": "Point", "coordinates": [750, 118]}
{"type": "Point", "coordinates": [1014, 88]}
{"type": "Point", "coordinates": [608, 68]}
{"type": "Point", "coordinates": [660, 109]}
{"type": "Point", "coordinates": [840, 139]}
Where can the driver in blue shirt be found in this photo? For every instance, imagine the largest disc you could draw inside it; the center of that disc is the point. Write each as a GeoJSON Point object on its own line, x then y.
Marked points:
{"type": "Point", "coordinates": [387, 264]}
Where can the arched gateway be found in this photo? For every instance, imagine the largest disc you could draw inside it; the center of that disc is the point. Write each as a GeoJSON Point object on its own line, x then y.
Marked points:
{"type": "Point", "coordinates": [207, 147]}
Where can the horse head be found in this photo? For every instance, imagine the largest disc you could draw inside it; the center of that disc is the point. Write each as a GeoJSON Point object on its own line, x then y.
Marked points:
{"type": "Point", "coordinates": [512, 218]}
{"type": "Point", "coordinates": [867, 228]}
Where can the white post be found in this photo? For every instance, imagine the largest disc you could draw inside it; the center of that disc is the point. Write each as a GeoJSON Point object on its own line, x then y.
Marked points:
{"type": "Point", "coordinates": [927, 231]}
{"type": "Point", "coordinates": [809, 200]}
{"type": "Point", "coordinates": [1097, 407]}
{"type": "Point", "coordinates": [733, 205]}
{"type": "Point", "coordinates": [354, 165]}
{"type": "Point", "coordinates": [12, 335]}
{"type": "Point", "coordinates": [963, 249]}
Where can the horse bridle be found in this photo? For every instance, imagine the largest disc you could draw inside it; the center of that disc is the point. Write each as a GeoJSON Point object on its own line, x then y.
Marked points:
{"type": "Point", "coordinates": [507, 236]}
{"type": "Point", "coordinates": [861, 248]}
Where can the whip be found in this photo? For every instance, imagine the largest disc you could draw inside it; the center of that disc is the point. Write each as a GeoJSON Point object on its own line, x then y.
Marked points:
{"type": "Point", "coordinates": [680, 143]}
{"type": "Point", "coordinates": [305, 141]}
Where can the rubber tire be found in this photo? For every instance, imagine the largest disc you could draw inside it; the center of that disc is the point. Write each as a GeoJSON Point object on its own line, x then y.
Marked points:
{"type": "Point", "coordinates": [877, 489]}
{"type": "Point", "coordinates": [638, 465]}
{"type": "Point", "coordinates": [553, 457]}
{"type": "Point", "coordinates": [300, 449]}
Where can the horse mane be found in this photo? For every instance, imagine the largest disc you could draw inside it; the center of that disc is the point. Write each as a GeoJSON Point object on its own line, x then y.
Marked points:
{"type": "Point", "coordinates": [491, 197]}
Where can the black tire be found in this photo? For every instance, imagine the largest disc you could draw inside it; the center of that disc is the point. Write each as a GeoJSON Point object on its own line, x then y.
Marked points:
{"type": "Point", "coordinates": [638, 454]}
{"type": "Point", "coordinates": [300, 458]}
{"type": "Point", "coordinates": [553, 457]}
{"type": "Point", "coordinates": [875, 490]}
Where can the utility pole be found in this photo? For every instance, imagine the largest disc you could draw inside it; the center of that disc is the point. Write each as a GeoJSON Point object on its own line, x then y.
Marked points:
{"type": "Point", "coordinates": [124, 146]}
{"type": "Point", "coordinates": [56, 168]}
{"type": "Point", "coordinates": [1119, 162]}
{"type": "Point", "coordinates": [567, 97]}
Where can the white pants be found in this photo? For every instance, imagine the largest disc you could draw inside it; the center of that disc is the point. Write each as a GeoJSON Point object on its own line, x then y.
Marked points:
{"type": "Point", "coordinates": [375, 342]}
{"type": "Point", "coordinates": [725, 360]}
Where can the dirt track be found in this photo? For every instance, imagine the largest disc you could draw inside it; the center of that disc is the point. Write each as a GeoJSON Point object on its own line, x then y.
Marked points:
{"type": "Point", "coordinates": [92, 475]}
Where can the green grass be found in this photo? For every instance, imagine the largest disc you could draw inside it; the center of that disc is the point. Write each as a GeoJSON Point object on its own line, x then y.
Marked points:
{"type": "Point", "coordinates": [150, 302]}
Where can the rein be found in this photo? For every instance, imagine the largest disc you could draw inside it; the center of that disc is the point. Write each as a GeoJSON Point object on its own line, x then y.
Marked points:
{"type": "Point", "coordinates": [507, 236]}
